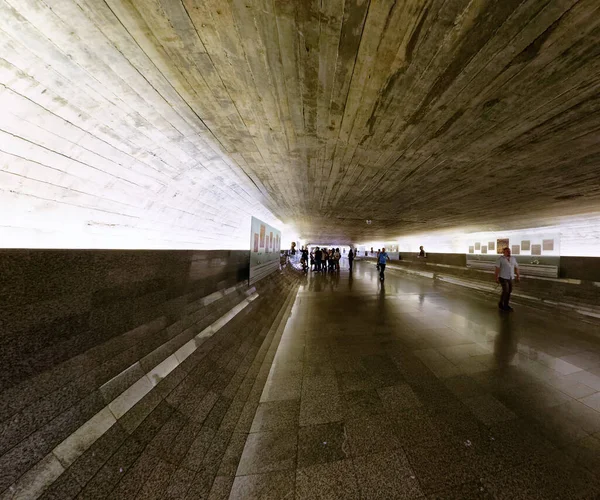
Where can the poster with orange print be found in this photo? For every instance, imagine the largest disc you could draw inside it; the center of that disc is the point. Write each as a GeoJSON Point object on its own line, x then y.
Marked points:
{"type": "Point", "coordinates": [263, 230]}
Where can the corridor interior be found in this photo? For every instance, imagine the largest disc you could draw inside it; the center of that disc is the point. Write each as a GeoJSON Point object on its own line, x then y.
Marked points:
{"type": "Point", "coordinates": [414, 389]}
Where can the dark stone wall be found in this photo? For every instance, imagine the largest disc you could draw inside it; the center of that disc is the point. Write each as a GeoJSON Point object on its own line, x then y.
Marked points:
{"type": "Point", "coordinates": [56, 304]}
{"type": "Point", "coordinates": [449, 259]}
{"type": "Point", "coordinates": [582, 268]}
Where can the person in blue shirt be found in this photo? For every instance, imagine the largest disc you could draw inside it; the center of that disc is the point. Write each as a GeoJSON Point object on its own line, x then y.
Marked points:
{"type": "Point", "coordinates": [382, 258]}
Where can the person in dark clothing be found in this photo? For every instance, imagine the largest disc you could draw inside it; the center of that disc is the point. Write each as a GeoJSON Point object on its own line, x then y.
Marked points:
{"type": "Point", "coordinates": [350, 258]}
{"type": "Point", "coordinates": [382, 259]}
{"type": "Point", "coordinates": [304, 258]}
{"type": "Point", "coordinates": [318, 259]}
{"type": "Point", "coordinates": [422, 252]}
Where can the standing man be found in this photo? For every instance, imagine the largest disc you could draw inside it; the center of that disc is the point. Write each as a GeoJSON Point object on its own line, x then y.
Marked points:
{"type": "Point", "coordinates": [318, 257]}
{"type": "Point", "coordinates": [350, 258]}
{"type": "Point", "coordinates": [382, 259]}
{"type": "Point", "coordinates": [506, 267]}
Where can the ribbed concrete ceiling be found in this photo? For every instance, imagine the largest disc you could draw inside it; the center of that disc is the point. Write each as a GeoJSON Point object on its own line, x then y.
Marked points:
{"type": "Point", "coordinates": [416, 114]}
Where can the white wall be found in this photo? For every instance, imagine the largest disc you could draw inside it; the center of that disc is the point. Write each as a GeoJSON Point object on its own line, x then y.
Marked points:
{"type": "Point", "coordinates": [578, 236]}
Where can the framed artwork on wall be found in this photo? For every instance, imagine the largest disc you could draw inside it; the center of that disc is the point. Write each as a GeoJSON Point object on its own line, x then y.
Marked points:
{"type": "Point", "coordinates": [484, 249]}
{"type": "Point", "coordinates": [526, 245]}
{"type": "Point", "coordinates": [548, 245]}
{"type": "Point", "coordinates": [255, 242]}
{"type": "Point", "coordinates": [516, 249]}
{"type": "Point", "coordinates": [478, 246]}
{"type": "Point", "coordinates": [491, 245]}
{"type": "Point", "coordinates": [536, 249]}
{"type": "Point", "coordinates": [471, 249]}
{"type": "Point", "coordinates": [263, 230]}
{"type": "Point", "coordinates": [501, 244]}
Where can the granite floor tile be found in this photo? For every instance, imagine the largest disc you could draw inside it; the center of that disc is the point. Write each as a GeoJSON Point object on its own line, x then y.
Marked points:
{"type": "Point", "coordinates": [319, 444]}
{"type": "Point", "coordinates": [268, 452]}
{"type": "Point", "coordinates": [328, 481]}
{"type": "Point", "coordinates": [195, 455]}
{"type": "Point", "coordinates": [270, 486]}
{"type": "Point", "coordinates": [371, 435]}
{"type": "Point", "coordinates": [399, 397]}
{"type": "Point", "coordinates": [463, 386]}
{"type": "Point", "coordinates": [559, 478]}
{"type": "Point", "coordinates": [440, 466]}
{"type": "Point", "coordinates": [354, 381]}
{"type": "Point", "coordinates": [232, 455]}
{"type": "Point", "coordinates": [571, 388]}
{"type": "Point", "coordinates": [517, 442]}
{"type": "Point", "coordinates": [414, 426]}
{"type": "Point", "coordinates": [154, 488]}
{"type": "Point", "coordinates": [358, 404]}
{"type": "Point", "coordinates": [221, 488]}
{"type": "Point", "coordinates": [386, 475]}
{"type": "Point", "coordinates": [488, 409]}
{"type": "Point", "coordinates": [275, 415]}
{"type": "Point", "coordinates": [321, 409]}
{"type": "Point", "coordinates": [179, 483]}
{"type": "Point", "coordinates": [586, 452]}
{"type": "Point", "coordinates": [592, 401]}
{"type": "Point", "coordinates": [474, 490]}
{"type": "Point", "coordinates": [282, 388]}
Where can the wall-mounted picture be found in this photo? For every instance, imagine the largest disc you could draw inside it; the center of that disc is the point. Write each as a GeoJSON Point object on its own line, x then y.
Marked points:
{"type": "Point", "coordinates": [471, 249]}
{"type": "Point", "coordinates": [255, 242]}
{"type": "Point", "coordinates": [501, 244]}
{"type": "Point", "coordinates": [484, 249]}
{"type": "Point", "coordinates": [526, 245]}
{"type": "Point", "coordinates": [548, 245]}
{"type": "Point", "coordinates": [263, 230]}
{"type": "Point", "coordinates": [516, 249]}
{"type": "Point", "coordinates": [536, 249]}
{"type": "Point", "coordinates": [491, 245]}
{"type": "Point", "coordinates": [478, 246]}
{"type": "Point", "coordinates": [271, 241]}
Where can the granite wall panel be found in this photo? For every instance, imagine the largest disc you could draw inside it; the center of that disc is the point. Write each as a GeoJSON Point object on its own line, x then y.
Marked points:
{"type": "Point", "coordinates": [582, 268]}
{"type": "Point", "coordinates": [57, 304]}
{"type": "Point", "coordinates": [71, 321]}
{"type": "Point", "coordinates": [449, 259]}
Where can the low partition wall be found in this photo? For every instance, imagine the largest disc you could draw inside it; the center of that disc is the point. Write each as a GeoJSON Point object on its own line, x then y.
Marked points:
{"type": "Point", "coordinates": [571, 291]}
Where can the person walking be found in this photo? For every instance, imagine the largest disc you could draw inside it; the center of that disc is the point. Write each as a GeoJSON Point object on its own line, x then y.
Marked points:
{"type": "Point", "coordinates": [507, 268]}
{"type": "Point", "coordinates": [337, 256]}
{"type": "Point", "coordinates": [350, 258]}
{"type": "Point", "coordinates": [382, 259]}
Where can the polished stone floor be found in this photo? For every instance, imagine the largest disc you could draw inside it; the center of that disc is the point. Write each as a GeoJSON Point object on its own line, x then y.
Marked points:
{"type": "Point", "coordinates": [412, 389]}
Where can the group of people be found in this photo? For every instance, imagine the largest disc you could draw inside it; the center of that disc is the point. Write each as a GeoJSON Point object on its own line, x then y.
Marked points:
{"type": "Point", "coordinates": [321, 259]}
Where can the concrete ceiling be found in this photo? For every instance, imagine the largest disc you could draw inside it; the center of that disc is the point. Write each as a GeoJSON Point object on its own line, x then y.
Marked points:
{"type": "Point", "coordinates": [416, 114]}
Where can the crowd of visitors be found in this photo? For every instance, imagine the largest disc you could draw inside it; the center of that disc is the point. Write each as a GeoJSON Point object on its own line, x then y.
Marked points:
{"type": "Point", "coordinates": [325, 259]}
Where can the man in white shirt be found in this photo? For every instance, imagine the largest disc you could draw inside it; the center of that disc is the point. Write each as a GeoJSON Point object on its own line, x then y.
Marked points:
{"type": "Point", "coordinates": [506, 268]}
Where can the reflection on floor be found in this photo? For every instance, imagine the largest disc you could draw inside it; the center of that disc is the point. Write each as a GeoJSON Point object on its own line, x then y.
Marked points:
{"type": "Point", "coordinates": [411, 389]}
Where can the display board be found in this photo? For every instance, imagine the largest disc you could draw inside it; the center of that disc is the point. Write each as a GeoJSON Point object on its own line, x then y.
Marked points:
{"type": "Point", "coordinates": [265, 246]}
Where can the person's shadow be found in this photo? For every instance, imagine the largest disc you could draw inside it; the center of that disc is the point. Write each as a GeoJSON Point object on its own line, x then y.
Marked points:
{"type": "Point", "coordinates": [505, 344]}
